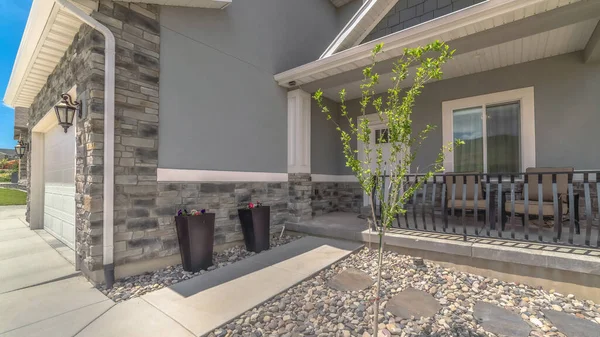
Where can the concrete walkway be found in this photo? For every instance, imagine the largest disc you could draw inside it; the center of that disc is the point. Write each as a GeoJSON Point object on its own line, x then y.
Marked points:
{"type": "Point", "coordinates": [42, 295]}
{"type": "Point", "coordinates": [203, 303]}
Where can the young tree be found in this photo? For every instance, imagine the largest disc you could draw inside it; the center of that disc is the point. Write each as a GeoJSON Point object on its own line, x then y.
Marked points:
{"type": "Point", "coordinates": [385, 175]}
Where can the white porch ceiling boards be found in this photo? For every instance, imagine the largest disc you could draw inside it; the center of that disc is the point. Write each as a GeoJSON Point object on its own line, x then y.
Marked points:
{"type": "Point", "coordinates": [472, 20]}
{"type": "Point", "coordinates": [48, 34]}
{"type": "Point", "coordinates": [558, 41]}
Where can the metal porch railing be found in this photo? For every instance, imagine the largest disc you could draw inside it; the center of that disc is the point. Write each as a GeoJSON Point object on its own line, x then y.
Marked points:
{"type": "Point", "coordinates": [555, 206]}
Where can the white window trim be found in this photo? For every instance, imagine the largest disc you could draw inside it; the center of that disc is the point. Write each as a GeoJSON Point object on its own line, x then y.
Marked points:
{"type": "Point", "coordinates": [525, 96]}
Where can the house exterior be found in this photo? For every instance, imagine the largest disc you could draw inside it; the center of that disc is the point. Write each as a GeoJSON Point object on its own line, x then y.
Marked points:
{"type": "Point", "coordinates": [212, 107]}
{"type": "Point", "coordinates": [7, 154]}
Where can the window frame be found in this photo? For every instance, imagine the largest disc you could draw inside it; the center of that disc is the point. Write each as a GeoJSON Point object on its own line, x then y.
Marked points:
{"type": "Point", "coordinates": [526, 98]}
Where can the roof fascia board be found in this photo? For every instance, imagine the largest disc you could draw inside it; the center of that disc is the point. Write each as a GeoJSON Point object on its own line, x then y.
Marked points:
{"type": "Point", "coordinates": [367, 31]}
{"type": "Point", "coordinates": [358, 17]}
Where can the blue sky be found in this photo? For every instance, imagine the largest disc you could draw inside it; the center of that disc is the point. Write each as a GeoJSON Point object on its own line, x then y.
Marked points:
{"type": "Point", "coordinates": [13, 16]}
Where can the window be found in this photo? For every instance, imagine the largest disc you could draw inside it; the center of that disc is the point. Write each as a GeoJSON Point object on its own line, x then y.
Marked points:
{"type": "Point", "coordinates": [497, 129]}
{"type": "Point", "coordinates": [492, 138]}
{"type": "Point", "coordinates": [382, 136]}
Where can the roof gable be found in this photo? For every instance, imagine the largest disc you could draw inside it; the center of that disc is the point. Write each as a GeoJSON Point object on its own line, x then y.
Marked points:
{"type": "Point", "coordinates": [379, 18]}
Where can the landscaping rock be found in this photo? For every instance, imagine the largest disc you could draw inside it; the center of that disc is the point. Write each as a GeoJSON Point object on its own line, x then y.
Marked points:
{"type": "Point", "coordinates": [313, 308]}
{"type": "Point", "coordinates": [135, 286]}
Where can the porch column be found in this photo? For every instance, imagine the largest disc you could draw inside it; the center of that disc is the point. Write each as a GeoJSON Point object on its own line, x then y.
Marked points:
{"type": "Point", "coordinates": [300, 185]}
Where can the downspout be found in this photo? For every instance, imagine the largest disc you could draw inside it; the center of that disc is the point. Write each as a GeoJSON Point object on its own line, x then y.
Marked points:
{"type": "Point", "coordinates": [109, 137]}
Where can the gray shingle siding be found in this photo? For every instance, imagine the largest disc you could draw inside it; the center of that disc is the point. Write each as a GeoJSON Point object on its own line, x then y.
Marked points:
{"type": "Point", "coordinates": [408, 13]}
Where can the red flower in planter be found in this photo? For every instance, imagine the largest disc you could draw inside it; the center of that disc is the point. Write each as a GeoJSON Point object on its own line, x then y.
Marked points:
{"type": "Point", "coordinates": [250, 205]}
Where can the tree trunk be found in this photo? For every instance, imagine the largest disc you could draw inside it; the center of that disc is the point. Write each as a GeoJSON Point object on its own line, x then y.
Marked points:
{"type": "Point", "coordinates": [378, 286]}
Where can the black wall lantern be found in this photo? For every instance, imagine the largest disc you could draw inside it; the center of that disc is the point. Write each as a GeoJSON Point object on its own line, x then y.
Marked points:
{"type": "Point", "coordinates": [20, 148]}
{"type": "Point", "coordinates": [65, 111]}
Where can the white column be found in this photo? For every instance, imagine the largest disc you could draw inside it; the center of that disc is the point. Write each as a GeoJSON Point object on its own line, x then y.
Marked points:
{"type": "Point", "coordinates": [298, 131]}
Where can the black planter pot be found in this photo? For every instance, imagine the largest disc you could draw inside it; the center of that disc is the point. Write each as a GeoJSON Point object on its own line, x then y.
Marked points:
{"type": "Point", "coordinates": [256, 225]}
{"type": "Point", "coordinates": [196, 235]}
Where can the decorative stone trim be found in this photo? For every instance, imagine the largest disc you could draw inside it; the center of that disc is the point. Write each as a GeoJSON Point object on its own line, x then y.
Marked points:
{"type": "Point", "coordinates": [300, 189]}
{"type": "Point", "coordinates": [336, 197]}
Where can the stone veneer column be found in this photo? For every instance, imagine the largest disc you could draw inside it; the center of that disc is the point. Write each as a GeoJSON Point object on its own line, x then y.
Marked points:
{"type": "Point", "coordinates": [299, 179]}
{"type": "Point", "coordinates": [138, 234]}
{"type": "Point", "coordinates": [300, 191]}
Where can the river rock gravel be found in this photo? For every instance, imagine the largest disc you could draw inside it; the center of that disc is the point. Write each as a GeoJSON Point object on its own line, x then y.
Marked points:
{"type": "Point", "coordinates": [312, 308]}
{"type": "Point", "coordinates": [136, 286]}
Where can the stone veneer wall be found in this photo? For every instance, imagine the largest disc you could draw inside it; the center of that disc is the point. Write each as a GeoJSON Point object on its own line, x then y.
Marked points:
{"type": "Point", "coordinates": [145, 236]}
{"type": "Point", "coordinates": [330, 197]}
{"type": "Point", "coordinates": [300, 190]}
{"type": "Point", "coordinates": [137, 30]}
{"type": "Point", "coordinates": [23, 162]}
{"type": "Point", "coordinates": [223, 199]}
{"type": "Point", "coordinates": [408, 13]}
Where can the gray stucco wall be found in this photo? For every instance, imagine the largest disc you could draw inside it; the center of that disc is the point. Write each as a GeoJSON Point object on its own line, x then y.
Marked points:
{"type": "Point", "coordinates": [347, 11]}
{"type": "Point", "coordinates": [408, 13]}
{"type": "Point", "coordinates": [220, 106]}
{"type": "Point", "coordinates": [325, 145]}
{"type": "Point", "coordinates": [567, 108]}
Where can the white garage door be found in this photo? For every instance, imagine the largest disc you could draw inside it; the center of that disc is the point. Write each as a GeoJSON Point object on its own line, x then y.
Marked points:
{"type": "Point", "coordinates": [59, 184]}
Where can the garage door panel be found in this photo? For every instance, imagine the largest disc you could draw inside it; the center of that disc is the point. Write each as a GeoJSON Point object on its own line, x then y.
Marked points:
{"type": "Point", "coordinates": [59, 184]}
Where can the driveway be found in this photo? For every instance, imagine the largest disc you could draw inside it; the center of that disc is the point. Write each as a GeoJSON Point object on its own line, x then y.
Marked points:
{"type": "Point", "coordinates": [41, 294]}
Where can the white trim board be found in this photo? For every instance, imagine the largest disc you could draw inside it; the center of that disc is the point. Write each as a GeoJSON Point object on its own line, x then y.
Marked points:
{"type": "Point", "coordinates": [524, 95]}
{"type": "Point", "coordinates": [183, 175]}
{"type": "Point", "coordinates": [361, 24]}
{"type": "Point", "coordinates": [333, 178]}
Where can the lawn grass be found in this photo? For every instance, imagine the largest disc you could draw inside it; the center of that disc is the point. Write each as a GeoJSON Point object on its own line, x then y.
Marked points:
{"type": "Point", "coordinates": [12, 197]}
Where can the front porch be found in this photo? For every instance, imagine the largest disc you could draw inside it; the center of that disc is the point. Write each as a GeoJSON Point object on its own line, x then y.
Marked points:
{"type": "Point", "coordinates": [566, 269]}
{"type": "Point", "coordinates": [521, 91]}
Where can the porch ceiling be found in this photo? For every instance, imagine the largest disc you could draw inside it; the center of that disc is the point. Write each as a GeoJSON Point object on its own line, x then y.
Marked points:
{"type": "Point", "coordinates": [477, 31]}
{"type": "Point", "coordinates": [48, 34]}
{"type": "Point", "coordinates": [558, 41]}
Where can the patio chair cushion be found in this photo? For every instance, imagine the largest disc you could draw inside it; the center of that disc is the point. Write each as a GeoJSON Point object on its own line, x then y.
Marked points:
{"type": "Point", "coordinates": [469, 204]}
{"type": "Point", "coordinates": [470, 179]}
{"type": "Point", "coordinates": [547, 207]}
{"type": "Point", "coordinates": [562, 181]}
